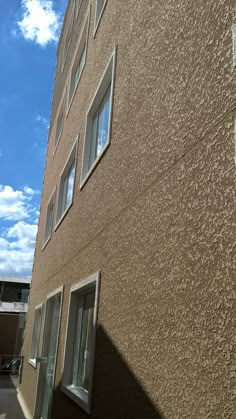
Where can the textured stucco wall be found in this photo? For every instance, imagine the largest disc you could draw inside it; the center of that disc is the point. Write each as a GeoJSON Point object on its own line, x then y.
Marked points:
{"type": "Point", "coordinates": [157, 216]}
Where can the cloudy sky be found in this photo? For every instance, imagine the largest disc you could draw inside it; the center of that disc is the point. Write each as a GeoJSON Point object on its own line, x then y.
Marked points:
{"type": "Point", "coordinates": [29, 31]}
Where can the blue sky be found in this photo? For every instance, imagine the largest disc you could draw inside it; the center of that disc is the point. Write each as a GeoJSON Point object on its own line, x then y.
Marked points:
{"type": "Point", "coordinates": [29, 31]}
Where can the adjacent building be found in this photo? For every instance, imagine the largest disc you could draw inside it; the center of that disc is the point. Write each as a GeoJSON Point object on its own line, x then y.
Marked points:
{"type": "Point", "coordinates": [132, 306]}
{"type": "Point", "coordinates": [14, 293]}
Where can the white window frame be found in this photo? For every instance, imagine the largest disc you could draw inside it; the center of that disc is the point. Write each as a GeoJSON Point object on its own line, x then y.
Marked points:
{"type": "Point", "coordinates": [97, 19]}
{"type": "Point", "coordinates": [61, 113]}
{"type": "Point", "coordinates": [33, 360]}
{"type": "Point", "coordinates": [51, 203]}
{"type": "Point", "coordinates": [92, 283]}
{"type": "Point", "coordinates": [106, 80]}
{"type": "Point", "coordinates": [81, 44]}
{"type": "Point", "coordinates": [59, 290]}
{"type": "Point", "coordinates": [234, 44]}
{"type": "Point", "coordinates": [60, 214]}
{"type": "Point", "coordinates": [69, 28]}
{"type": "Point", "coordinates": [59, 134]}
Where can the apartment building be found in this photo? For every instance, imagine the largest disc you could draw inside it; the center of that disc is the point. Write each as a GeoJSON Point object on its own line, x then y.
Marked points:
{"type": "Point", "coordinates": [14, 293]}
{"type": "Point", "coordinates": [132, 306]}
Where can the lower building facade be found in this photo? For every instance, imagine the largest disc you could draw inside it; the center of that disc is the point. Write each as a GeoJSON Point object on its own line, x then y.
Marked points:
{"type": "Point", "coordinates": [132, 304]}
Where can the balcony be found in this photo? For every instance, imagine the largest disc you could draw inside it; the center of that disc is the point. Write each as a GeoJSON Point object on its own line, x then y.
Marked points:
{"type": "Point", "coordinates": [15, 307]}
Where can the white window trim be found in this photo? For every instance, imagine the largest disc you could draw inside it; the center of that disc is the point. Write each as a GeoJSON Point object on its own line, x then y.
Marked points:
{"type": "Point", "coordinates": [51, 200]}
{"type": "Point", "coordinates": [60, 114]}
{"type": "Point", "coordinates": [32, 361]}
{"type": "Point", "coordinates": [86, 22]}
{"type": "Point", "coordinates": [96, 25]}
{"type": "Point", "coordinates": [92, 282]}
{"type": "Point", "coordinates": [85, 176]}
{"type": "Point", "coordinates": [70, 27]}
{"type": "Point", "coordinates": [74, 149]}
{"type": "Point", "coordinates": [233, 28]}
{"type": "Point", "coordinates": [61, 110]}
{"type": "Point", "coordinates": [59, 290]}
{"type": "Point", "coordinates": [234, 141]}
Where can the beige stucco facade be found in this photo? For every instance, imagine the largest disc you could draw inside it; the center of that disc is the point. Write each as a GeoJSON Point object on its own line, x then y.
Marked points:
{"type": "Point", "coordinates": [156, 217]}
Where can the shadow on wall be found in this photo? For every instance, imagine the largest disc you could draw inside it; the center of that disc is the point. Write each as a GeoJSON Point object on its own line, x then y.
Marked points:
{"type": "Point", "coordinates": [116, 392]}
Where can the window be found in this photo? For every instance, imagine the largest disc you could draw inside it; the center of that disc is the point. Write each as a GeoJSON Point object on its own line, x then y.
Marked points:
{"type": "Point", "coordinates": [76, 73]}
{"type": "Point", "coordinates": [68, 37]}
{"type": "Point", "coordinates": [66, 189]}
{"type": "Point", "coordinates": [100, 125]}
{"type": "Point", "coordinates": [25, 295]}
{"type": "Point", "coordinates": [97, 136]}
{"type": "Point", "coordinates": [49, 220]}
{"type": "Point", "coordinates": [79, 61]}
{"type": "Point", "coordinates": [80, 341]}
{"type": "Point", "coordinates": [234, 44]}
{"type": "Point", "coordinates": [100, 6]}
{"type": "Point", "coordinates": [36, 335]}
{"type": "Point", "coordinates": [59, 126]}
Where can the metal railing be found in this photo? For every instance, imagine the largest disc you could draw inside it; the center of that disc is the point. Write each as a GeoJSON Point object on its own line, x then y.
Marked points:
{"type": "Point", "coordinates": [10, 364]}
{"type": "Point", "coordinates": [14, 307]}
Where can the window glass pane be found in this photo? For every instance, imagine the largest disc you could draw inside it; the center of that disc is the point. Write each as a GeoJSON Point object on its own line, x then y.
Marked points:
{"type": "Point", "coordinates": [67, 189]}
{"type": "Point", "coordinates": [77, 72]}
{"type": "Point", "coordinates": [64, 194]}
{"type": "Point", "coordinates": [103, 122]}
{"type": "Point", "coordinates": [25, 296]}
{"type": "Point", "coordinates": [76, 346]}
{"type": "Point", "coordinates": [100, 4]}
{"type": "Point", "coordinates": [36, 334]}
{"type": "Point", "coordinates": [48, 228]}
{"type": "Point", "coordinates": [59, 128]}
{"type": "Point", "coordinates": [85, 342]}
{"type": "Point", "coordinates": [92, 153]}
{"type": "Point", "coordinates": [82, 59]}
{"type": "Point", "coordinates": [80, 66]}
{"type": "Point", "coordinates": [70, 185]}
{"type": "Point", "coordinates": [67, 41]}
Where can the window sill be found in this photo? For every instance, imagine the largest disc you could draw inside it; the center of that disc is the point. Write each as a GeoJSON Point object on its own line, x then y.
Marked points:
{"type": "Point", "coordinates": [96, 25]}
{"type": "Point", "coordinates": [46, 242]}
{"type": "Point", "coordinates": [63, 216]}
{"type": "Point", "coordinates": [32, 362]}
{"type": "Point", "coordinates": [92, 168]}
{"type": "Point", "coordinates": [78, 396]}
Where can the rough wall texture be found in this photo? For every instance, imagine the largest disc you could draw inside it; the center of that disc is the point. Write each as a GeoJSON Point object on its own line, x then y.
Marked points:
{"type": "Point", "coordinates": [157, 216]}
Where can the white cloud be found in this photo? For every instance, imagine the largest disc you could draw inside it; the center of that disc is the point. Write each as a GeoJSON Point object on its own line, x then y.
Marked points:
{"type": "Point", "coordinates": [16, 205]}
{"type": "Point", "coordinates": [43, 121]}
{"type": "Point", "coordinates": [24, 234]}
{"type": "Point", "coordinates": [3, 244]}
{"type": "Point", "coordinates": [17, 249]}
{"type": "Point", "coordinates": [30, 191]}
{"type": "Point", "coordinates": [39, 23]}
